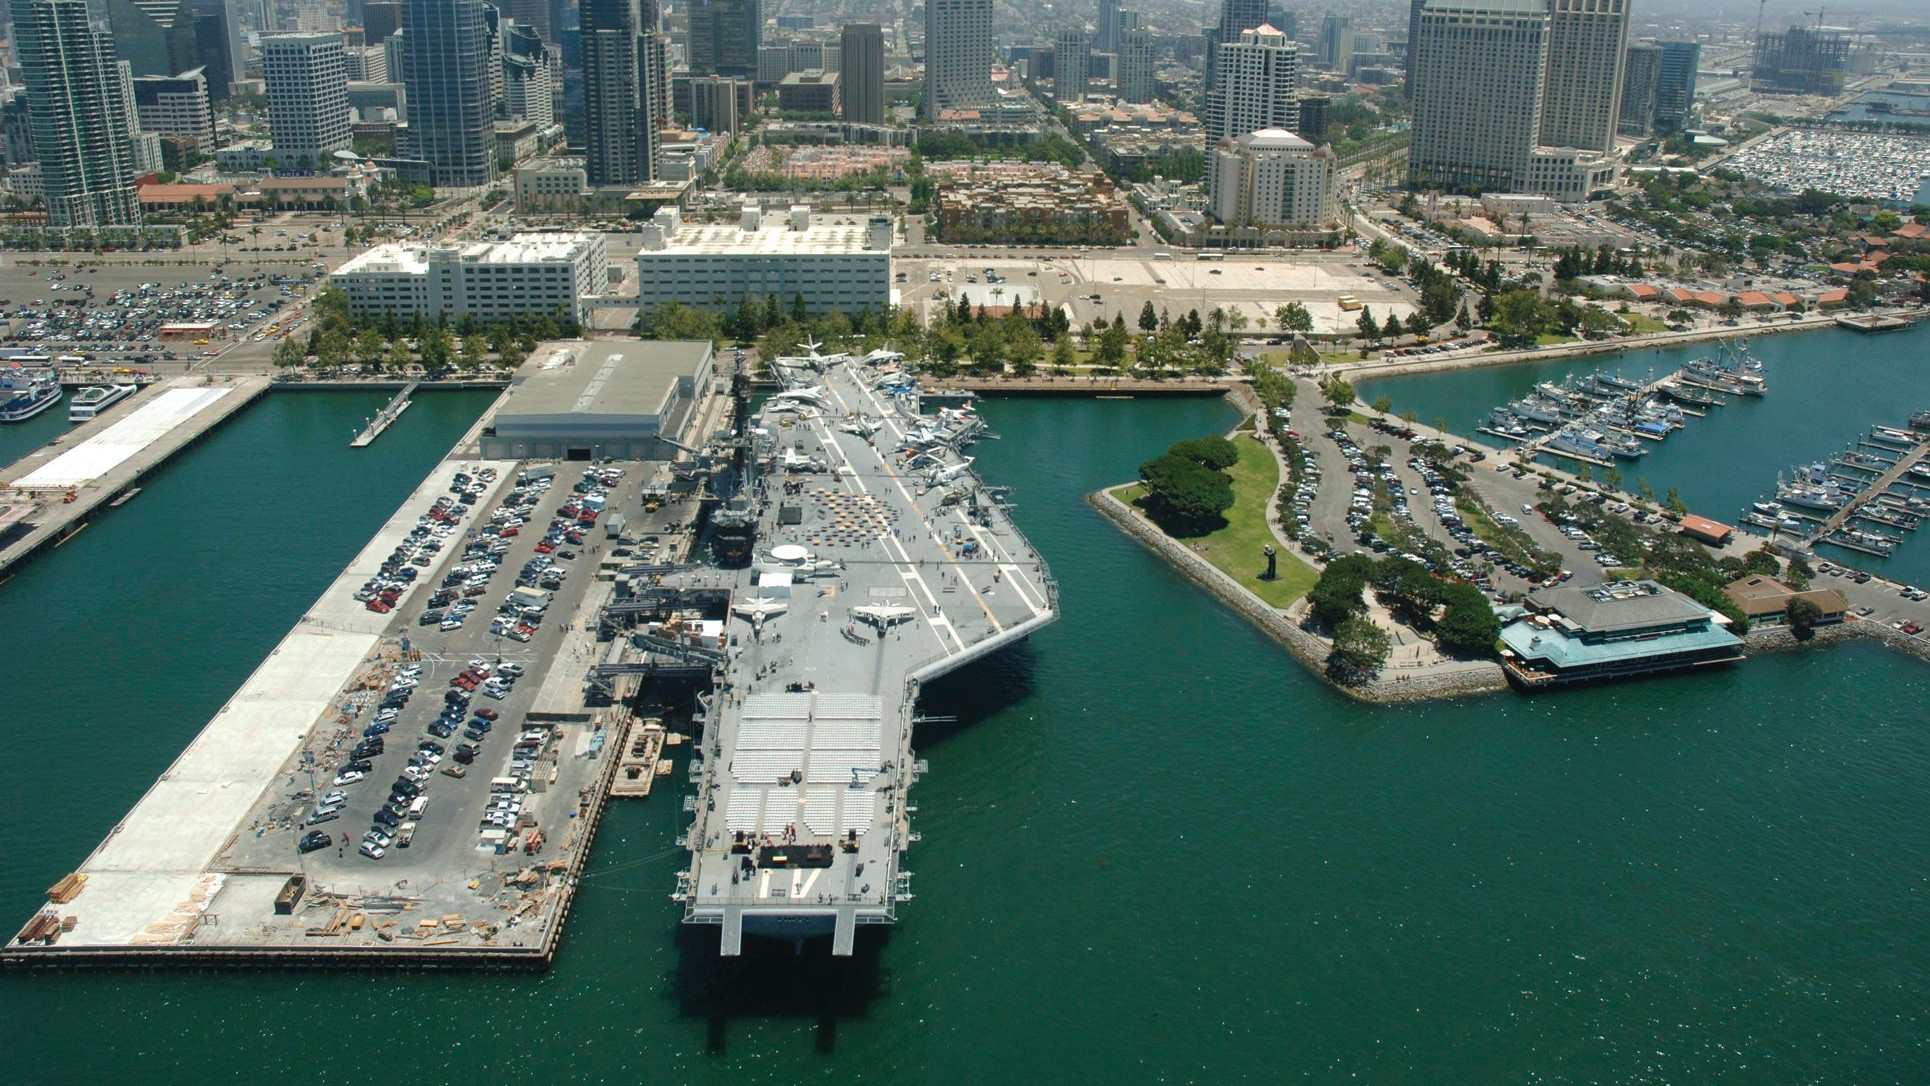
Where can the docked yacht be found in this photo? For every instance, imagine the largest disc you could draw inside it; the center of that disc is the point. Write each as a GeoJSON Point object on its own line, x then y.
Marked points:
{"type": "Point", "coordinates": [89, 402]}
{"type": "Point", "coordinates": [22, 397]}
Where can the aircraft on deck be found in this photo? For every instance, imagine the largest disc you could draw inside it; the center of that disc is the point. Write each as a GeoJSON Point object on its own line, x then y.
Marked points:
{"type": "Point", "coordinates": [883, 616]}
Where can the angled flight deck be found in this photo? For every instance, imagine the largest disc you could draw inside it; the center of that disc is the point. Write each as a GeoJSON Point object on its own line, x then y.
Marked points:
{"type": "Point", "coordinates": [880, 563]}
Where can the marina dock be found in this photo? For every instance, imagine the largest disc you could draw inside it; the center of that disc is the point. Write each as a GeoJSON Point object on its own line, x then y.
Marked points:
{"type": "Point", "coordinates": [385, 417]}
{"type": "Point", "coordinates": [51, 493]}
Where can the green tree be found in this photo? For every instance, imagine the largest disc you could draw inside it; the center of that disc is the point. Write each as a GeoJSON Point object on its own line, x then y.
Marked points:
{"type": "Point", "coordinates": [1338, 393]}
{"type": "Point", "coordinates": [1111, 349]}
{"type": "Point", "coordinates": [1148, 319]}
{"type": "Point", "coordinates": [288, 353]}
{"type": "Point", "coordinates": [1675, 503]}
{"type": "Point", "coordinates": [1468, 625]}
{"type": "Point", "coordinates": [1293, 317]}
{"type": "Point", "coordinates": [1392, 329]}
{"type": "Point", "coordinates": [1211, 451]}
{"type": "Point", "coordinates": [1063, 355]}
{"type": "Point", "coordinates": [1803, 614]}
{"type": "Point", "coordinates": [1184, 496]}
{"type": "Point", "coordinates": [1383, 403]}
{"type": "Point", "coordinates": [1360, 650]}
{"type": "Point", "coordinates": [1369, 327]}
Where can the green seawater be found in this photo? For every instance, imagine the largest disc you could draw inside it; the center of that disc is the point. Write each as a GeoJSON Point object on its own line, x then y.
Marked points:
{"type": "Point", "coordinates": [1826, 389]}
{"type": "Point", "coordinates": [1154, 848]}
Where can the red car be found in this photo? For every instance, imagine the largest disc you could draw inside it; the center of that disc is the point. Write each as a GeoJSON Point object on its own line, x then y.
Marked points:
{"type": "Point", "coordinates": [381, 607]}
{"type": "Point", "coordinates": [545, 547]}
{"type": "Point", "coordinates": [510, 531]}
{"type": "Point", "coordinates": [487, 714]}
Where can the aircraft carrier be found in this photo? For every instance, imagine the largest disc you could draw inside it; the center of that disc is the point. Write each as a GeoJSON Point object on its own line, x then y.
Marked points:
{"type": "Point", "coordinates": [854, 556]}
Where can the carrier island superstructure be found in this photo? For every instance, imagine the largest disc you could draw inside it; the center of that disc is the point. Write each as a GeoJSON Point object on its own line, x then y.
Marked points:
{"type": "Point", "coordinates": [855, 555]}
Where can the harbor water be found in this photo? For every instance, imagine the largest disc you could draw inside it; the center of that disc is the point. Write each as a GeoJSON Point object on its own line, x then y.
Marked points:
{"type": "Point", "coordinates": [1154, 848]}
{"type": "Point", "coordinates": [1826, 389]}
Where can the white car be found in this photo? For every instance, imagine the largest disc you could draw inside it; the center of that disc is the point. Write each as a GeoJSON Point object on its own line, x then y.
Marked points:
{"type": "Point", "coordinates": [453, 622]}
{"type": "Point", "coordinates": [373, 851]}
{"type": "Point", "coordinates": [416, 773]}
{"type": "Point", "coordinates": [349, 776]}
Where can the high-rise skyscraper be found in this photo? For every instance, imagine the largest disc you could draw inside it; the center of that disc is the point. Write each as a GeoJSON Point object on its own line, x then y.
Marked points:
{"type": "Point", "coordinates": [618, 85]}
{"type": "Point", "coordinates": [713, 103]}
{"type": "Point", "coordinates": [1236, 18]}
{"type": "Point", "coordinates": [1135, 63]}
{"type": "Point", "coordinates": [1336, 41]}
{"type": "Point", "coordinates": [529, 89]}
{"type": "Point", "coordinates": [306, 77]}
{"type": "Point", "coordinates": [1106, 38]}
{"type": "Point", "coordinates": [1483, 65]}
{"type": "Point", "coordinates": [1639, 74]}
{"type": "Point", "coordinates": [1413, 35]}
{"type": "Point", "coordinates": [1257, 86]}
{"type": "Point", "coordinates": [445, 59]}
{"type": "Point", "coordinates": [79, 107]}
{"type": "Point", "coordinates": [724, 36]}
{"type": "Point", "coordinates": [863, 49]}
{"type": "Point", "coordinates": [380, 20]}
{"type": "Point", "coordinates": [958, 54]}
{"type": "Point", "coordinates": [1071, 64]}
{"type": "Point", "coordinates": [1587, 44]}
{"type": "Point", "coordinates": [1675, 84]}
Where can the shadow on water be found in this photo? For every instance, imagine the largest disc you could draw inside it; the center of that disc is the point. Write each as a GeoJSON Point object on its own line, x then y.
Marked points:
{"type": "Point", "coordinates": [774, 980]}
{"type": "Point", "coordinates": [976, 692]}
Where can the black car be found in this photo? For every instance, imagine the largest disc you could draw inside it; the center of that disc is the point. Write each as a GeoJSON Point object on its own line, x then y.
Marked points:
{"type": "Point", "coordinates": [442, 730]}
{"type": "Point", "coordinates": [314, 840]}
{"type": "Point", "coordinates": [473, 735]}
{"type": "Point", "coordinates": [464, 755]}
{"type": "Point", "coordinates": [406, 787]}
{"type": "Point", "coordinates": [357, 765]}
{"type": "Point", "coordinates": [431, 747]}
{"type": "Point", "coordinates": [387, 818]}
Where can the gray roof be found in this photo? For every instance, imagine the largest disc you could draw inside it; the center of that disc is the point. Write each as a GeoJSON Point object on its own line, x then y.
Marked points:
{"type": "Point", "coordinates": [602, 377]}
{"type": "Point", "coordinates": [1493, 7]}
{"type": "Point", "coordinates": [1618, 606]}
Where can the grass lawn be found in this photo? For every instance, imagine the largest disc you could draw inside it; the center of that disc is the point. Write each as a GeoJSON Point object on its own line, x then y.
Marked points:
{"type": "Point", "coordinates": [1235, 549]}
{"type": "Point", "coordinates": [1641, 325]}
{"type": "Point", "coordinates": [1549, 339]}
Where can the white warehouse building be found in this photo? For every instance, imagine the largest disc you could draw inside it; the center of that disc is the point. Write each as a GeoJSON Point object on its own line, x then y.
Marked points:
{"type": "Point", "coordinates": [529, 275]}
{"type": "Point", "coordinates": [840, 262]}
{"type": "Point", "coordinates": [1271, 178]}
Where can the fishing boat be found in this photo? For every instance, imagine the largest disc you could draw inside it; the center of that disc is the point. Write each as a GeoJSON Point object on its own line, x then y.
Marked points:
{"type": "Point", "coordinates": [1690, 395]}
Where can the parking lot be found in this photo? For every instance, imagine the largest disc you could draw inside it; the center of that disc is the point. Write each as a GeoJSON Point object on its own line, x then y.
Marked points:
{"type": "Point", "coordinates": [437, 771]}
{"type": "Point", "coordinates": [109, 314]}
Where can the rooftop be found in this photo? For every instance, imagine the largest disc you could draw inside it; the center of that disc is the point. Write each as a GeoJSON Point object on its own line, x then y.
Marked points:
{"type": "Point", "coordinates": [521, 249]}
{"type": "Point", "coordinates": [1617, 606]}
{"type": "Point", "coordinates": [601, 377]}
{"type": "Point", "coordinates": [774, 236]}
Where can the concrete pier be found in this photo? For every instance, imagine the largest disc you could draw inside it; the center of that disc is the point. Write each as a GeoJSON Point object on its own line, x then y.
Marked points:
{"type": "Point", "coordinates": [49, 494]}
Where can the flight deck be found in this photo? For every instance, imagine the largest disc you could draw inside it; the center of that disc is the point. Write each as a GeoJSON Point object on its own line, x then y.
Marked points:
{"type": "Point", "coordinates": [881, 561]}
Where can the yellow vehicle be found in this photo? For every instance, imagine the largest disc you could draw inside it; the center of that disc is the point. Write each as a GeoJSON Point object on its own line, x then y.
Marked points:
{"type": "Point", "coordinates": [200, 343]}
{"type": "Point", "coordinates": [1347, 302]}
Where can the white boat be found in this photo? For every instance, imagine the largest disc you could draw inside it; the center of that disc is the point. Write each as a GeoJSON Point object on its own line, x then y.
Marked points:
{"type": "Point", "coordinates": [89, 402]}
{"type": "Point", "coordinates": [21, 398]}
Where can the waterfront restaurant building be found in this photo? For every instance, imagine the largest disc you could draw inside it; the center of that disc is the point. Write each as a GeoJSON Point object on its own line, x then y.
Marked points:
{"type": "Point", "coordinates": [581, 399]}
{"type": "Point", "coordinates": [1612, 631]}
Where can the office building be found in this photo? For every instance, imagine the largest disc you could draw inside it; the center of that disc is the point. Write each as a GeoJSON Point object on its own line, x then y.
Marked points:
{"type": "Point", "coordinates": [1106, 37]}
{"type": "Point", "coordinates": [958, 55]}
{"type": "Point", "coordinates": [1236, 18]}
{"type": "Point", "coordinates": [166, 37]}
{"type": "Point", "coordinates": [1315, 109]}
{"type": "Point", "coordinates": [1270, 178]}
{"type": "Point", "coordinates": [1639, 73]}
{"type": "Point", "coordinates": [1616, 630]}
{"type": "Point", "coordinates": [831, 262]}
{"type": "Point", "coordinates": [1800, 61]}
{"type": "Point", "coordinates": [1581, 104]}
{"type": "Point", "coordinates": [1413, 35]}
{"type": "Point", "coordinates": [529, 275]}
{"type": "Point", "coordinates": [381, 19]}
{"type": "Point", "coordinates": [177, 108]}
{"type": "Point", "coordinates": [1257, 85]}
{"type": "Point", "coordinates": [714, 100]}
{"type": "Point", "coordinates": [809, 92]}
{"type": "Point", "coordinates": [529, 85]}
{"type": "Point", "coordinates": [1072, 65]}
{"type": "Point", "coordinates": [1675, 85]}
{"type": "Point", "coordinates": [724, 36]}
{"type": "Point", "coordinates": [445, 57]}
{"type": "Point", "coordinates": [1135, 65]}
{"type": "Point", "coordinates": [862, 63]}
{"type": "Point", "coordinates": [621, 145]}
{"type": "Point", "coordinates": [1336, 41]}
{"type": "Point", "coordinates": [306, 76]}
{"type": "Point", "coordinates": [80, 108]}
{"type": "Point", "coordinates": [1484, 64]}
